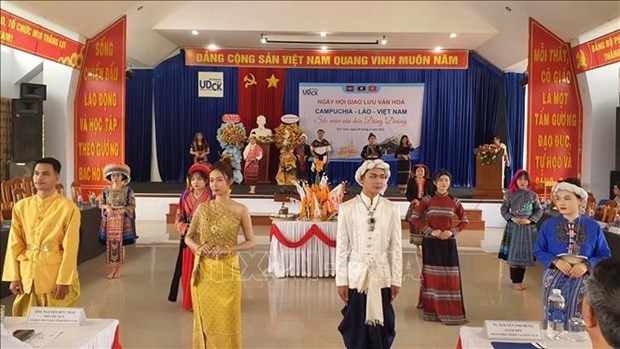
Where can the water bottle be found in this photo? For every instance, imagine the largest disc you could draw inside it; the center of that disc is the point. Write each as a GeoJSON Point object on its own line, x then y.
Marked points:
{"type": "Point", "coordinates": [555, 315]}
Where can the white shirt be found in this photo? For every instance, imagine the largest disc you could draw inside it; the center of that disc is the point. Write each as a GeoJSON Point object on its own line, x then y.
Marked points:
{"type": "Point", "coordinates": [360, 251]}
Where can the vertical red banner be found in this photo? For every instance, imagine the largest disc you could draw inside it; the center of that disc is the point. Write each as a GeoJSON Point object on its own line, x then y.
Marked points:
{"type": "Point", "coordinates": [555, 114]}
{"type": "Point", "coordinates": [261, 92]}
{"type": "Point", "coordinates": [100, 107]}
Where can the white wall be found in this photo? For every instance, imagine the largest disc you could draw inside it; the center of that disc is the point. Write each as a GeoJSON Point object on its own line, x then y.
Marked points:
{"type": "Point", "coordinates": [599, 93]}
{"type": "Point", "coordinates": [61, 82]}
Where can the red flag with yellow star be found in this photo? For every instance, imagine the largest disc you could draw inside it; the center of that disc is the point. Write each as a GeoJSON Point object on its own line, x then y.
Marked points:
{"type": "Point", "coordinates": [261, 92]}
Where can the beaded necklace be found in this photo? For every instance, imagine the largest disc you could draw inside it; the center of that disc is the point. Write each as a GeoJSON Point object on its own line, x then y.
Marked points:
{"type": "Point", "coordinates": [371, 212]}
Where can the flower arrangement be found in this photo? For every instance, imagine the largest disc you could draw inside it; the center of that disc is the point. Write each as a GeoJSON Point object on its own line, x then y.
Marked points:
{"type": "Point", "coordinates": [231, 137]}
{"type": "Point", "coordinates": [318, 202]}
{"type": "Point", "coordinates": [286, 136]}
{"type": "Point", "coordinates": [489, 154]}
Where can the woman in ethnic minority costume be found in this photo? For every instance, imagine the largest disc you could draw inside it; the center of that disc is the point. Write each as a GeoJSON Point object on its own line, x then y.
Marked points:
{"type": "Point", "coordinates": [196, 194]}
{"type": "Point", "coordinates": [442, 294]}
{"type": "Point", "coordinates": [252, 155]}
{"type": "Point", "coordinates": [199, 149]}
{"type": "Point", "coordinates": [521, 209]}
{"type": "Point", "coordinates": [403, 165]}
{"type": "Point", "coordinates": [118, 207]}
{"type": "Point", "coordinates": [216, 280]}
{"type": "Point", "coordinates": [569, 246]}
{"type": "Point", "coordinates": [417, 188]}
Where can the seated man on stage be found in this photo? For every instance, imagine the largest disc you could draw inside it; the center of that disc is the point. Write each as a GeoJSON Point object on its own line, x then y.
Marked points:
{"type": "Point", "coordinates": [320, 149]}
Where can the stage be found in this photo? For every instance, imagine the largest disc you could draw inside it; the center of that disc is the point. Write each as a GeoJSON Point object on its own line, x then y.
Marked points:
{"type": "Point", "coordinates": [155, 199]}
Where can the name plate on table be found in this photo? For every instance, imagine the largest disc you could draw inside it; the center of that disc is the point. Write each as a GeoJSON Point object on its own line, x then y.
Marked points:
{"type": "Point", "coordinates": [515, 330]}
{"type": "Point", "coordinates": [52, 316]}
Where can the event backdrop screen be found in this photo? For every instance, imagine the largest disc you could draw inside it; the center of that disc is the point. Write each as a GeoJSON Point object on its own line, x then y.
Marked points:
{"type": "Point", "coordinates": [348, 112]}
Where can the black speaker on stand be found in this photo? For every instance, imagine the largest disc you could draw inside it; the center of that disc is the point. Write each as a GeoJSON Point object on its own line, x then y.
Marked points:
{"type": "Point", "coordinates": [27, 130]}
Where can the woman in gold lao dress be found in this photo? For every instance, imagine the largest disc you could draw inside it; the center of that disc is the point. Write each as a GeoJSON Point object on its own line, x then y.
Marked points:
{"type": "Point", "coordinates": [216, 279]}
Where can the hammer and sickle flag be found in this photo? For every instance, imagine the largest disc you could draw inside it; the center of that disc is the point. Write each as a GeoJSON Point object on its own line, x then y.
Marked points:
{"type": "Point", "coordinates": [249, 80]}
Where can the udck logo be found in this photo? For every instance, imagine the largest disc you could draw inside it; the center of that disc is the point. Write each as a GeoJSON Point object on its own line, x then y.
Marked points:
{"type": "Point", "coordinates": [310, 91]}
{"type": "Point", "coordinates": [210, 85]}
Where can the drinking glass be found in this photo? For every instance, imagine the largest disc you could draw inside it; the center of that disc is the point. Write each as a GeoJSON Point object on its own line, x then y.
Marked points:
{"type": "Point", "coordinates": [577, 329]}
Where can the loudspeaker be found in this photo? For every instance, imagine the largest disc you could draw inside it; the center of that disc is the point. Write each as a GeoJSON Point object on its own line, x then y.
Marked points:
{"type": "Point", "coordinates": [27, 106]}
{"type": "Point", "coordinates": [21, 169]}
{"type": "Point", "coordinates": [614, 178]}
{"type": "Point", "coordinates": [32, 91]}
{"type": "Point", "coordinates": [27, 137]}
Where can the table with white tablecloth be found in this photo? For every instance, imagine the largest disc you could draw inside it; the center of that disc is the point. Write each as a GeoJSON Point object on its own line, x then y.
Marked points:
{"type": "Point", "coordinates": [302, 248]}
{"type": "Point", "coordinates": [92, 334]}
{"type": "Point", "coordinates": [475, 337]}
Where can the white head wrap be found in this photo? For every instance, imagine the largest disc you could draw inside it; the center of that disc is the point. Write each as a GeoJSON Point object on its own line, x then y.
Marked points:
{"type": "Point", "coordinates": [580, 192]}
{"type": "Point", "coordinates": [369, 165]}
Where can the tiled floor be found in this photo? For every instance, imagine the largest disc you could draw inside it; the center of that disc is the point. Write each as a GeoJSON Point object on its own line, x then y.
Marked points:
{"type": "Point", "coordinates": [290, 313]}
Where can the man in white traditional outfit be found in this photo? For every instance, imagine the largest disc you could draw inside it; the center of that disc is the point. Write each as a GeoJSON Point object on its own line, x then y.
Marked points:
{"type": "Point", "coordinates": [369, 261]}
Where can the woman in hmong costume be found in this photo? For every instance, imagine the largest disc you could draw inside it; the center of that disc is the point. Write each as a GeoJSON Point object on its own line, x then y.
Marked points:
{"type": "Point", "coordinates": [569, 246]}
{"type": "Point", "coordinates": [442, 294]}
{"type": "Point", "coordinates": [252, 155]}
{"type": "Point", "coordinates": [521, 208]}
{"type": "Point", "coordinates": [216, 280]}
{"type": "Point", "coordinates": [403, 166]}
{"type": "Point", "coordinates": [118, 207]}
{"type": "Point", "coordinates": [196, 194]}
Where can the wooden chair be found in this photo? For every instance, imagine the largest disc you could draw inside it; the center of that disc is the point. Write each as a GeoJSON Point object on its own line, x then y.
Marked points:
{"type": "Point", "coordinates": [609, 214]}
{"type": "Point", "coordinates": [18, 194]}
{"type": "Point", "coordinates": [17, 183]}
{"type": "Point", "coordinates": [7, 195]}
{"type": "Point", "coordinates": [590, 204]}
{"type": "Point", "coordinates": [76, 191]}
{"type": "Point", "coordinates": [60, 189]}
{"type": "Point", "coordinates": [29, 186]}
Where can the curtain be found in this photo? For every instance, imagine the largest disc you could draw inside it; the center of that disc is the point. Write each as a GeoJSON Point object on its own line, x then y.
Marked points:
{"type": "Point", "coordinates": [515, 119]}
{"type": "Point", "coordinates": [138, 119]}
{"type": "Point", "coordinates": [261, 92]}
{"type": "Point", "coordinates": [448, 124]}
{"type": "Point", "coordinates": [5, 136]}
{"type": "Point", "coordinates": [180, 113]}
{"type": "Point", "coordinates": [459, 113]}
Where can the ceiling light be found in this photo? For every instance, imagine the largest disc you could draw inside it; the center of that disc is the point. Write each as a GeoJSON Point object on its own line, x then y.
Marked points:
{"type": "Point", "coordinates": [324, 48]}
{"type": "Point", "coordinates": [383, 41]}
{"type": "Point", "coordinates": [212, 47]}
{"type": "Point", "coordinates": [452, 35]}
{"type": "Point", "coordinates": [323, 34]}
{"type": "Point", "coordinates": [438, 49]}
{"type": "Point", "coordinates": [313, 40]}
{"type": "Point", "coordinates": [195, 32]}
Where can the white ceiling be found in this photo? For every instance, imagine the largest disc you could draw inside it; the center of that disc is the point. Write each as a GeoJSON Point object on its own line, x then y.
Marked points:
{"type": "Point", "coordinates": [496, 29]}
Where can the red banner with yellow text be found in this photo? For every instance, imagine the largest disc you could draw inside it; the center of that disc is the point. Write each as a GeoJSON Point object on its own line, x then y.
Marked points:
{"type": "Point", "coordinates": [412, 59]}
{"type": "Point", "coordinates": [596, 53]}
{"type": "Point", "coordinates": [21, 34]}
{"type": "Point", "coordinates": [100, 107]}
{"type": "Point", "coordinates": [554, 109]}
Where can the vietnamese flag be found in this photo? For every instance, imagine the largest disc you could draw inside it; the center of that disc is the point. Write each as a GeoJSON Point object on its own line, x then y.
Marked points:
{"type": "Point", "coordinates": [261, 92]}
